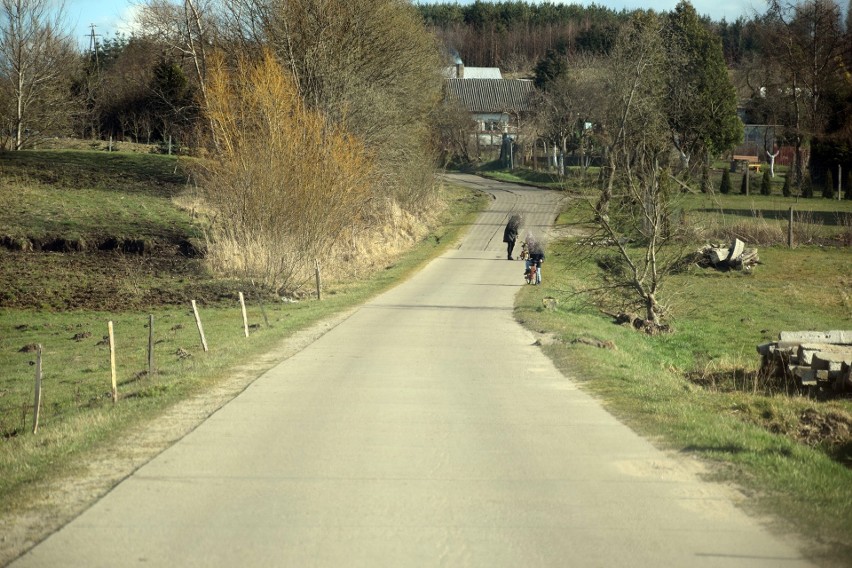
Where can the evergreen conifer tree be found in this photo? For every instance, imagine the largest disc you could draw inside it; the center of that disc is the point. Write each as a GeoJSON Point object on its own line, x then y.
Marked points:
{"type": "Point", "coordinates": [788, 182]}
{"type": "Point", "coordinates": [744, 182]}
{"type": "Point", "coordinates": [807, 187]}
{"type": "Point", "coordinates": [766, 183]}
{"type": "Point", "coordinates": [725, 186]}
{"type": "Point", "coordinates": [828, 186]}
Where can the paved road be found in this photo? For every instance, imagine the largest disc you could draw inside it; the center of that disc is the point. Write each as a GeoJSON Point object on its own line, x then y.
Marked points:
{"type": "Point", "coordinates": [425, 430]}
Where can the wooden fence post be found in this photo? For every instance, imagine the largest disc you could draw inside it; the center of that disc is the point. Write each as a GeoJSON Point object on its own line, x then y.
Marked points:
{"type": "Point", "coordinates": [263, 311]}
{"type": "Point", "coordinates": [200, 328]}
{"type": "Point", "coordinates": [790, 229]}
{"type": "Point", "coordinates": [150, 345]}
{"type": "Point", "coordinates": [319, 280]}
{"type": "Point", "coordinates": [37, 403]}
{"type": "Point", "coordinates": [112, 362]}
{"type": "Point", "coordinates": [245, 317]}
{"type": "Point", "coordinates": [260, 303]}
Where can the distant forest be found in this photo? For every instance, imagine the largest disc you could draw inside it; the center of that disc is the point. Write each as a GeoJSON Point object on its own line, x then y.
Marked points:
{"type": "Point", "coordinates": [516, 35]}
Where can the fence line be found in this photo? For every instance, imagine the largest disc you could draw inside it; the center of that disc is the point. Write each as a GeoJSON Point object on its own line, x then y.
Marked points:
{"type": "Point", "coordinates": [89, 395]}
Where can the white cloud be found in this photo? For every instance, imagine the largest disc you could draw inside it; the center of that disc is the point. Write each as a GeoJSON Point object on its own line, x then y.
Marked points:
{"type": "Point", "coordinates": [128, 23]}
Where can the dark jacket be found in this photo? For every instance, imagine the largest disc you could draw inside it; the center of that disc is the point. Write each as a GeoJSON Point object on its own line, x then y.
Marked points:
{"type": "Point", "coordinates": [510, 233]}
{"type": "Point", "coordinates": [536, 254]}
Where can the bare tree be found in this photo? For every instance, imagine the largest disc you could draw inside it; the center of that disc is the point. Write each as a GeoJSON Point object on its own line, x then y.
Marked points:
{"type": "Point", "coordinates": [567, 103]}
{"type": "Point", "coordinates": [36, 58]}
{"type": "Point", "coordinates": [370, 63]}
{"type": "Point", "coordinates": [189, 28]}
{"type": "Point", "coordinates": [455, 134]}
{"type": "Point", "coordinates": [634, 234]}
{"type": "Point", "coordinates": [810, 44]}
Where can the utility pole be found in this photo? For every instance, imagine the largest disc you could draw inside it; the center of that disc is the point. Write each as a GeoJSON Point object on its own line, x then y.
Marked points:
{"type": "Point", "coordinates": [93, 46]}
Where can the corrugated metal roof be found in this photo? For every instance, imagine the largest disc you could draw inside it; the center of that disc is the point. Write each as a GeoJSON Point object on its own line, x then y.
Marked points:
{"type": "Point", "coordinates": [492, 95]}
{"type": "Point", "coordinates": [473, 73]}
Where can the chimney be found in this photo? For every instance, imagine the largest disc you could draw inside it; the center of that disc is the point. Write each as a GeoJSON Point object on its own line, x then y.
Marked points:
{"type": "Point", "coordinates": [459, 70]}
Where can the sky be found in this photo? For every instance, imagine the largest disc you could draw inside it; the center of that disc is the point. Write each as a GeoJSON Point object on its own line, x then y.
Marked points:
{"type": "Point", "coordinates": [111, 16]}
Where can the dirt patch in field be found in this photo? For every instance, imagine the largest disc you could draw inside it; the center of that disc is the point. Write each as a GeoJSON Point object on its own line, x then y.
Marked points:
{"type": "Point", "coordinates": [832, 430]}
{"type": "Point", "coordinates": [815, 423]}
{"type": "Point", "coordinates": [107, 281]}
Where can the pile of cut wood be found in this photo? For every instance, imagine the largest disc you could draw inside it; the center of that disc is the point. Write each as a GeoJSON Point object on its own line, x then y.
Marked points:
{"type": "Point", "coordinates": [810, 359]}
{"type": "Point", "coordinates": [727, 257]}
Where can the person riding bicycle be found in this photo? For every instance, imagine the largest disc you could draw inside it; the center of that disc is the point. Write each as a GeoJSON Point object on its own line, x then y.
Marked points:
{"type": "Point", "coordinates": [536, 257]}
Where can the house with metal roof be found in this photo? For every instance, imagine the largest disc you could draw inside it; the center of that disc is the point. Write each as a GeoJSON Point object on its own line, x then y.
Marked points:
{"type": "Point", "coordinates": [497, 105]}
{"type": "Point", "coordinates": [459, 71]}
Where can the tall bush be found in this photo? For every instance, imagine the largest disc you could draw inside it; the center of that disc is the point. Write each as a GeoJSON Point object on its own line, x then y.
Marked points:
{"type": "Point", "coordinates": [283, 181]}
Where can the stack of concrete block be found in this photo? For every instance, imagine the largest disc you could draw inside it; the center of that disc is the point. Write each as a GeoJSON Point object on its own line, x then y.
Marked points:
{"type": "Point", "coordinates": [810, 358]}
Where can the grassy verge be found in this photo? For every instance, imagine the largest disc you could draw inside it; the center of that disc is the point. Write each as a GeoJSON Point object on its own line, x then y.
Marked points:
{"type": "Point", "coordinates": [78, 415]}
{"type": "Point", "coordinates": [697, 391]}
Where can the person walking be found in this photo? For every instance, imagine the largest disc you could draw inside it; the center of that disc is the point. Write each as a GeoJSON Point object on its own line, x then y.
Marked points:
{"type": "Point", "coordinates": [510, 234]}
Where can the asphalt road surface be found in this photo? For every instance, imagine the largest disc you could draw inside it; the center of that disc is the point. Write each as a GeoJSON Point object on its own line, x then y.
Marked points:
{"type": "Point", "coordinates": [424, 430]}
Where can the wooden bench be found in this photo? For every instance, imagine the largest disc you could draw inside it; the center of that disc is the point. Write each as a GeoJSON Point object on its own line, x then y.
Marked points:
{"type": "Point", "coordinates": [752, 162]}
{"type": "Point", "coordinates": [749, 159]}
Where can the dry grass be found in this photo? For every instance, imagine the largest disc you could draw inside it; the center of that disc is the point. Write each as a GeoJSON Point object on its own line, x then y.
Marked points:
{"type": "Point", "coordinates": [757, 230]}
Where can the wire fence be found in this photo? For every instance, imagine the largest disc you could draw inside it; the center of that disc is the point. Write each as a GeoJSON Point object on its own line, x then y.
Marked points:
{"type": "Point", "coordinates": [130, 358]}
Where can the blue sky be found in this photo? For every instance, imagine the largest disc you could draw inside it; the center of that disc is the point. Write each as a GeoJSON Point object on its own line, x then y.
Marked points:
{"type": "Point", "coordinates": [110, 16]}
